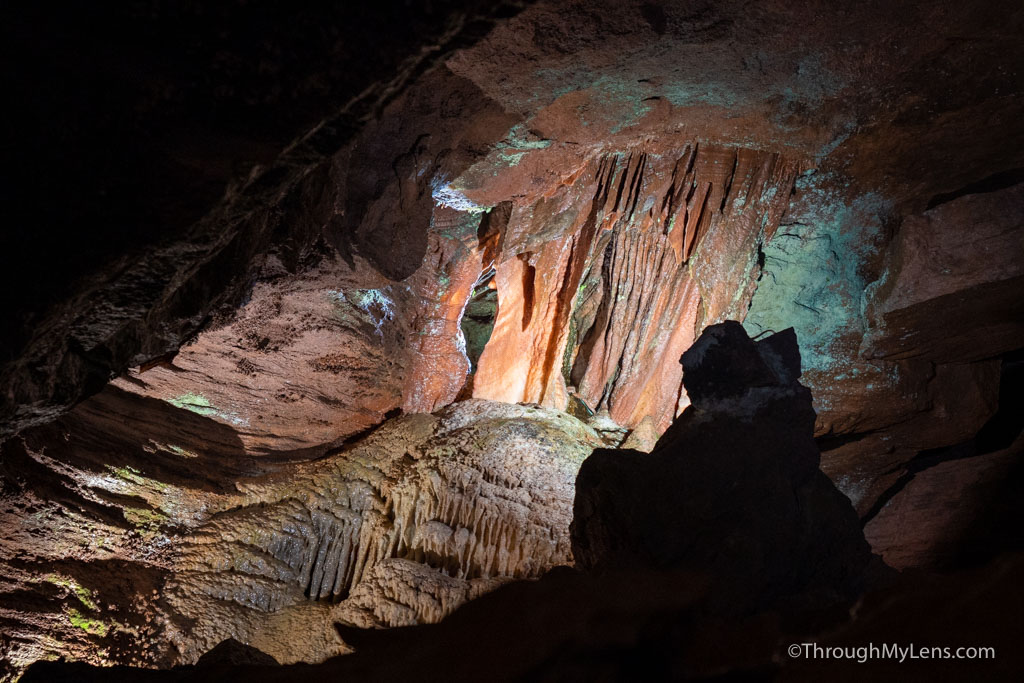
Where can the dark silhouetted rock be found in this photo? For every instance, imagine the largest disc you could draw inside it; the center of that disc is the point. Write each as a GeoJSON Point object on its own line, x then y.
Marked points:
{"type": "Point", "coordinates": [732, 490]}
{"type": "Point", "coordinates": [724, 363]}
{"type": "Point", "coordinates": [232, 652]}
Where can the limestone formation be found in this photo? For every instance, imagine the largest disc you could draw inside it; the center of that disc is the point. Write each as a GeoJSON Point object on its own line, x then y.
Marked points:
{"type": "Point", "coordinates": [654, 244]}
{"type": "Point", "coordinates": [312, 314]}
{"type": "Point", "coordinates": [398, 528]}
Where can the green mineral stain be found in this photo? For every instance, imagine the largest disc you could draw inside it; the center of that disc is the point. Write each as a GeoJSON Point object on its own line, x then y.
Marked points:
{"type": "Point", "coordinates": [812, 279]}
{"type": "Point", "coordinates": [127, 473]}
{"type": "Point", "coordinates": [197, 403]}
{"type": "Point", "coordinates": [200, 405]}
{"type": "Point", "coordinates": [513, 158]}
{"type": "Point", "coordinates": [83, 594]}
{"type": "Point", "coordinates": [91, 626]}
{"type": "Point", "coordinates": [520, 139]}
{"type": "Point", "coordinates": [178, 450]}
{"type": "Point", "coordinates": [133, 476]}
{"type": "Point", "coordinates": [143, 518]}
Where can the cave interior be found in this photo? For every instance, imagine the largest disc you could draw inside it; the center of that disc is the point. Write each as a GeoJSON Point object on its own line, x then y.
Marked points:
{"type": "Point", "coordinates": [529, 340]}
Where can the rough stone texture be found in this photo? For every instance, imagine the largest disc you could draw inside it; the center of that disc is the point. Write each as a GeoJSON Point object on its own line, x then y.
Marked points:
{"type": "Point", "coordinates": [946, 404]}
{"type": "Point", "coordinates": [400, 527]}
{"type": "Point", "coordinates": [732, 490]}
{"type": "Point", "coordinates": [304, 364]}
{"type": "Point", "coordinates": [313, 359]}
{"type": "Point", "coordinates": [397, 592]}
{"type": "Point", "coordinates": [804, 150]}
{"type": "Point", "coordinates": [951, 290]}
{"type": "Point", "coordinates": [573, 627]}
{"type": "Point", "coordinates": [947, 513]}
{"type": "Point", "coordinates": [876, 414]}
{"type": "Point", "coordinates": [604, 281]}
{"type": "Point", "coordinates": [643, 438]}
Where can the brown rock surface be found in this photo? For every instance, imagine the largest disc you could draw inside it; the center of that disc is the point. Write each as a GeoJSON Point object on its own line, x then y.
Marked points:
{"type": "Point", "coordinates": [951, 291]}
{"type": "Point", "coordinates": [929, 522]}
{"type": "Point", "coordinates": [948, 404]}
{"type": "Point", "coordinates": [304, 364]}
{"type": "Point", "coordinates": [428, 511]}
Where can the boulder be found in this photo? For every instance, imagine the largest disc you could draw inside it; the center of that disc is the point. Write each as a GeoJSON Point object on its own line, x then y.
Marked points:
{"type": "Point", "coordinates": [732, 490]}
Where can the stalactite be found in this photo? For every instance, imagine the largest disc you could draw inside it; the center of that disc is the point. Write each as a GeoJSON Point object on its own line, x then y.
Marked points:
{"type": "Point", "coordinates": [635, 221]}
{"type": "Point", "coordinates": [400, 529]}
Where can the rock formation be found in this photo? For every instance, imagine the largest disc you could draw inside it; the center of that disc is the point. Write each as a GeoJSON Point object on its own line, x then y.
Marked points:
{"type": "Point", "coordinates": [652, 246]}
{"type": "Point", "coordinates": [732, 490]}
{"type": "Point", "coordinates": [399, 528]}
{"type": "Point", "coordinates": [311, 316]}
{"type": "Point", "coordinates": [655, 573]}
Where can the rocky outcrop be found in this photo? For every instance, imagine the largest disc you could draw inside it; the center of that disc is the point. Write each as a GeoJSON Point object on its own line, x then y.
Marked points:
{"type": "Point", "coordinates": [952, 511]}
{"type": "Point", "coordinates": [306, 363]}
{"type": "Point", "coordinates": [874, 413]}
{"type": "Point", "coordinates": [737, 474]}
{"type": "Point", "coordinates": [400, 527]}
{"type": "Point", "coordinates": [951, 288]}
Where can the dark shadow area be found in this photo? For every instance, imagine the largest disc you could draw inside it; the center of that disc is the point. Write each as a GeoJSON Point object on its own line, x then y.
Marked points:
{"type": "Point", "coordinates": [1000, 432]}
{"type": "Point", "coordinates": [129, 120]}
{"type": "Point", "coordinates": [993, 183]}
{"type": "Point", "coordinates": [116, 429]}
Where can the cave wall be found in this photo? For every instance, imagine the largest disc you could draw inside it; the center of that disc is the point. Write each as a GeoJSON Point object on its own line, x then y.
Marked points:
{"type": "Point", "coordinates": [615, 177]}
{"type": "Point", "coordinates": [161, 542]}
{"type": "Point", "coordinates": [656, 244]}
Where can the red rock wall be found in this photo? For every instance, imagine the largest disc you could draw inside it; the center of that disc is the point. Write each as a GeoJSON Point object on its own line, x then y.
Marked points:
{"type": "Point", "coordinates": [643, 248]}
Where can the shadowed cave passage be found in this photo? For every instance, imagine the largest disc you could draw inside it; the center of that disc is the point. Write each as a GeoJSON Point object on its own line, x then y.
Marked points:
{"type": "Point", "coordinates": [590, 340]}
